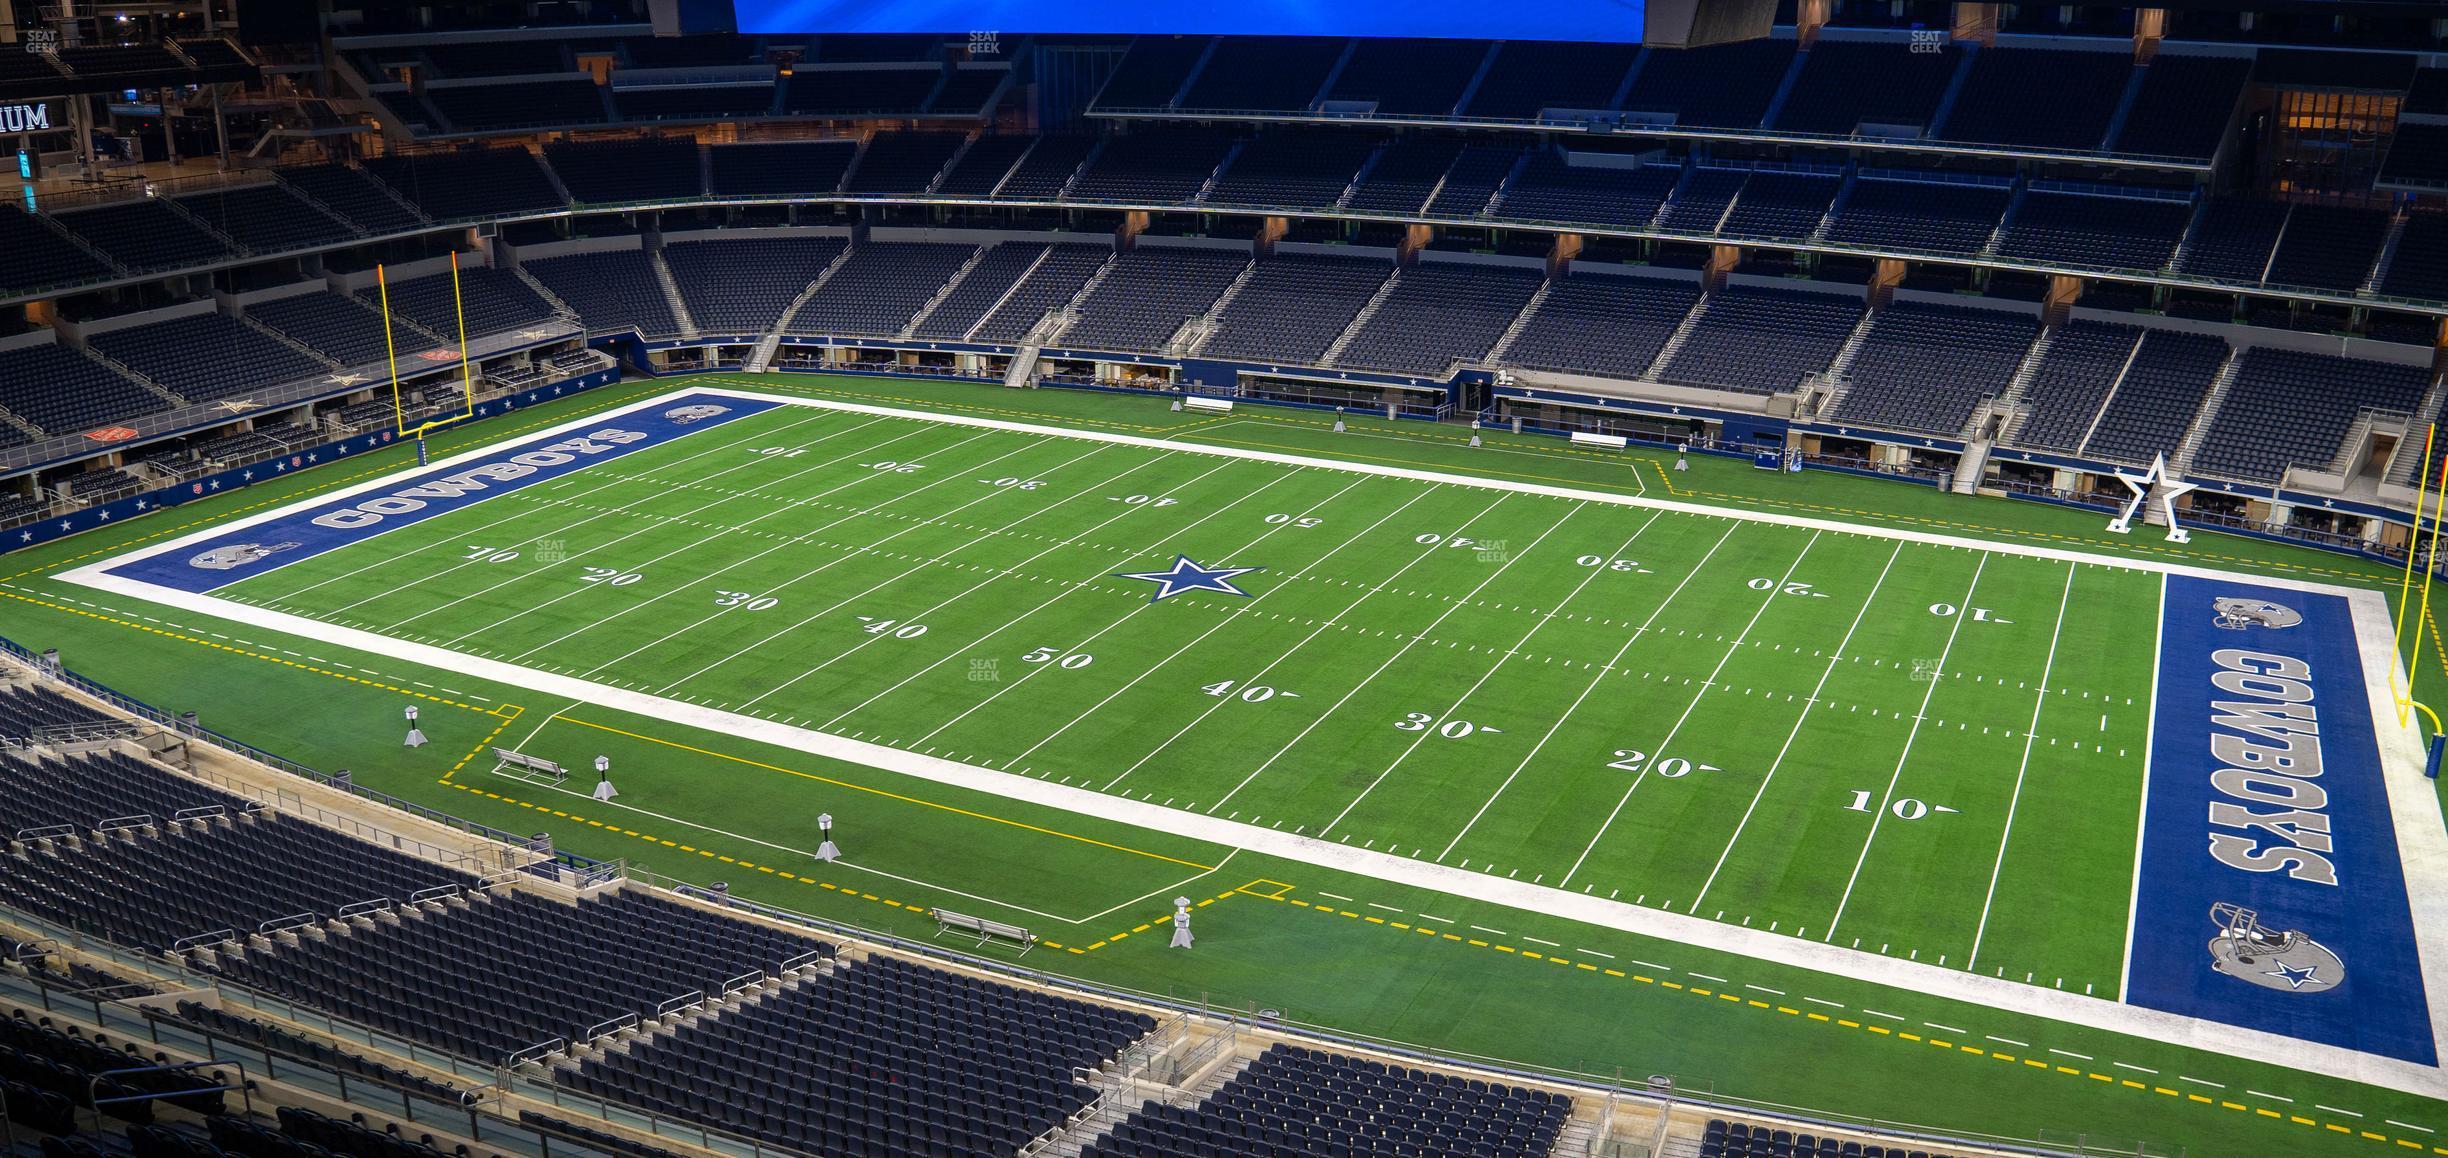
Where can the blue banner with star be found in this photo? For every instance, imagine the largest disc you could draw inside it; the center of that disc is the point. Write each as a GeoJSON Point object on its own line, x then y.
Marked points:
{"type": "Point", "coordinates": [244, 552]}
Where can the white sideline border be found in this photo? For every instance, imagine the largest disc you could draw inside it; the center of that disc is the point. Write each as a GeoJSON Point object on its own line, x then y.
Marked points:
{"type": "Point", "coordinates": [2422, 840]}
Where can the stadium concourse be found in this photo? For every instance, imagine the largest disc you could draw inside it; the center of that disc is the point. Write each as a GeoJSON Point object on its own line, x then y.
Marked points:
{"type": "Point", "coordinates": [637, 579]}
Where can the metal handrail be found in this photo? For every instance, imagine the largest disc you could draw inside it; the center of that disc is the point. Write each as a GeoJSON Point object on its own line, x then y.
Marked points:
{"type": "Point", "coordinates": [137, 820]}
{"type": "Point", "coordinates": [609, 1026]}
{"type": "Point", "coordinates": [686, 1001]}
{"type": "Point", "coordinates": [199, 812]}
{"type": "Point", "coordinates": [360, 908]}
{"type": "Point", "coordinates": [216, 937]}
{"type": "Point", "coordinates": [292, 921]}
{"type": "Point", "coordinates": [743, 981]}
{"type": "Point", "coordinates": [46, 832]}
{"type": "Point", "coordinates": [540, 1050]}
{"type": "Point", "coordinates": [93, 1086]}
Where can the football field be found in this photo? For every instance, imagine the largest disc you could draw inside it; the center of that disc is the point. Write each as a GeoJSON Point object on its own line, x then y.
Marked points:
{"type": "Point", "coordinates": [1919, 750]}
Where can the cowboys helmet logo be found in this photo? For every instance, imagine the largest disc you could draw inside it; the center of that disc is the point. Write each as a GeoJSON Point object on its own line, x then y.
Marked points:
{"type": "Point", "coordinates": [688, 414]}
{"type": "Point", "coordinates": [2238, 614]}
{"type": "Point", "coordinates": [2288, 962]}
{"type": "Point", "coordinates": [236, 555]}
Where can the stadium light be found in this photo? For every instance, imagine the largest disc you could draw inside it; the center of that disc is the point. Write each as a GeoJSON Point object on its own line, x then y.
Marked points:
{"type": "Point", "coordinates": [826, 851]}
{"type": "Point", "coordinates": [416, 735]}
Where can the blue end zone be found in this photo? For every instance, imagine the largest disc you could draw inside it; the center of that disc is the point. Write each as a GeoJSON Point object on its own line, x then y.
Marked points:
{"type": "Point", "coordinates": [211, 564]}
{"type": "Point", "coordinates": [2265, 797]}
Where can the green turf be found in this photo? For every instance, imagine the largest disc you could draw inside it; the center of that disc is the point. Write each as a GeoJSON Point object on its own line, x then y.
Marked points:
{"type": "Point", "coordinates": [1767, 725]}
{"type": "Point", "coordinates": [1921, 888]}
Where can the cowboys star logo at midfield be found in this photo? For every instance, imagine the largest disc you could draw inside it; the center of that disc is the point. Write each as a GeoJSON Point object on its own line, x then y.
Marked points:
{"type": "Point", "coordinates": [2237, 614]}
{"type": "Point", "coordinates": [236, 555]}
{"type": "Point", "coordinates": [1185, 575]}
{"type": "Point", "coordinates": [2289, 962]}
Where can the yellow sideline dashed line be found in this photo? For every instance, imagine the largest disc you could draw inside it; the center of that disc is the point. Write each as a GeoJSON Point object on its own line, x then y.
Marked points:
{"type": "Point", "coordinates": [889, 795]}
{"type": "Point", "coordinates": [1737, 1002]}
{"type": "Point", "coordinates": [849, 891]}
{"type": "Point", "coordinates": [247, 652]}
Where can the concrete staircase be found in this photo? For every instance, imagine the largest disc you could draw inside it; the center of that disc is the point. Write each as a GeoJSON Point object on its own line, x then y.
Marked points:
{"type": "Point", "coordinates": [290, 342]}
{"type": "Point", "coordinates": [545, 292]}
{"type": "Point", "coordinates": [2009, 401]}
{"type": "Point", "coordinates": [2182, 461]}
{"type": "Point", "coordinates": [1521, 321]}
{"type": "Point", "coordinates": [1059, 322]}
{"type": "Point", "coordinates": [1969, 467]}
{"type": "Point", "coordinates": [1674, 342]}
{"type": "Point", "coordinates": [1851, 350]}
{"type": "Point", "coordinates": [2109, 398]}
{"type": "Point", "coordinates": [2388, 254]}
{"type": "Point", "coordinates": [1023, 369]}
{"type": "Point", "coordinates": [1195, 334]}
{"type": "Point", "coordinates": [1009, 290]}
{"type": "Point", "coordinates": [945, 290]}
{"type": "Point", "coordinates": [2408, 461]}
{"type": "Point", "coordinates": [761, 358]}
{"type": "Point", "coordinates": [671, 295]}
{"type": "Point", "coordinates": [1376, 302]}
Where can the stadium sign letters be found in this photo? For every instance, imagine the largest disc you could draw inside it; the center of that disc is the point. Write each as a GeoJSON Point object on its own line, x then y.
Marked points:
{"type": "Point", "coordinates": [2270, 893]}
{"type": "Point", "coordinates": [2277, 773]}
{"type": "Point", "coordinates": [477, 480]}
{"type": "Point", "coordinates": [33, 118]}
{"type": "Point", "coordinates": [451, 485]}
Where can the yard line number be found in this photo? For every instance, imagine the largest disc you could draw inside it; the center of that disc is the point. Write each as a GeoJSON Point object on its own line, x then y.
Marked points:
{"type": "Point", "coordinates": [1788, 587]}
{"type": "Point", "coordinates": [610, 576]}
{"type": "Point", "coordinates": [745, 600]}
{"type": "Point", "coordinates": [1253, 694]}
{"type": "Point", "coordinates": [1450, 729]}
{"type": "Point", "coordinates": [1903, 808]}
{"type": "Point", "coordinates": [476, 554]}
{"type": "Point", "coordinates": [891, 627]}
{"type": "Point", "coordinates": [1672, 767]}
{"type": "Point", "coordinates": [1054, 655]}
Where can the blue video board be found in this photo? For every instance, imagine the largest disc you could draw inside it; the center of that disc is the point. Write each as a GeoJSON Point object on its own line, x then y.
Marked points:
{"type": "Point", "coordinates": [1593, 20]}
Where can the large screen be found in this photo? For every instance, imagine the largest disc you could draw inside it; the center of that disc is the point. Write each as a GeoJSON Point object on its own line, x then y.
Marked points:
{"type": "Point", "coordinates": [1604, 20]}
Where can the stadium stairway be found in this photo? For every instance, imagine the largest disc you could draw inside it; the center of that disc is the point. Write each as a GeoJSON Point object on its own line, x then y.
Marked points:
{"type": "Point", "coordinates": [1360, 320]}
{"type": "Point", "coordinates": [2190, 448]}
{"type": "Point", "coordinates": [671, 295]}
{"type": "Point", "coordinates": [1521, 321]}
{"type": "Point", "coordinates": [946, 289]}
{"type": "Point", "coordinates": [762, 357]}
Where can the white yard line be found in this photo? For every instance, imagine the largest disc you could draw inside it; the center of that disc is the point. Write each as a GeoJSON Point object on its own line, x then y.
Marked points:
{"type": "Point", "coordinates": [1068, 587]}
{"type": "Point", "coordinates": [2031, 736]}
{"type": "Point", "coordinates": [1937, 676]}
{"type": "Point", "coordinates": [1409, 641]}
{"type": "Point", "coordinates": [1489, 674]}
{"type": "Point", "coordinates": [1176, 886]}
{"type": "Point", "coordinates": [820, 568]}
{"type": "Point", "coordinates": [2400, 748]}
{"type": "Point", "coordinates": [1835, 657]}
{"type": "Point", "coordinates": [1658, 752]}
{"type": "Point", "coordinates": [2150, 733]}
{"type": "Point", "coordinates": [565, 528]}
{"type": "Point", "coordinates": [1323, 626]}
{"type": "Point", "coordinates": [1603, 672]}
{"type": "Point", "coordinates": [1236, 612]}
{"type": "Point", "coordinates": [520, 514]}
{"type": "Point", "coordinates": [596, 552]}
{"type": "Point", "coordinates": [981, 537]}
{"type": "Point", "coordinates": [1081, 644]}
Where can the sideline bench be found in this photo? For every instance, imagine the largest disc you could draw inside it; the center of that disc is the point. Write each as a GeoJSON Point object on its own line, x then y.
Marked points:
{"type": "Point", "coordinates": [1610, 441]}
{"type": "Point", "coordinates": [534, 769]}
{"type": "Point", "coordinates": [1210, 405]}
{"type": "Point", "coordinates": [946, 921]}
